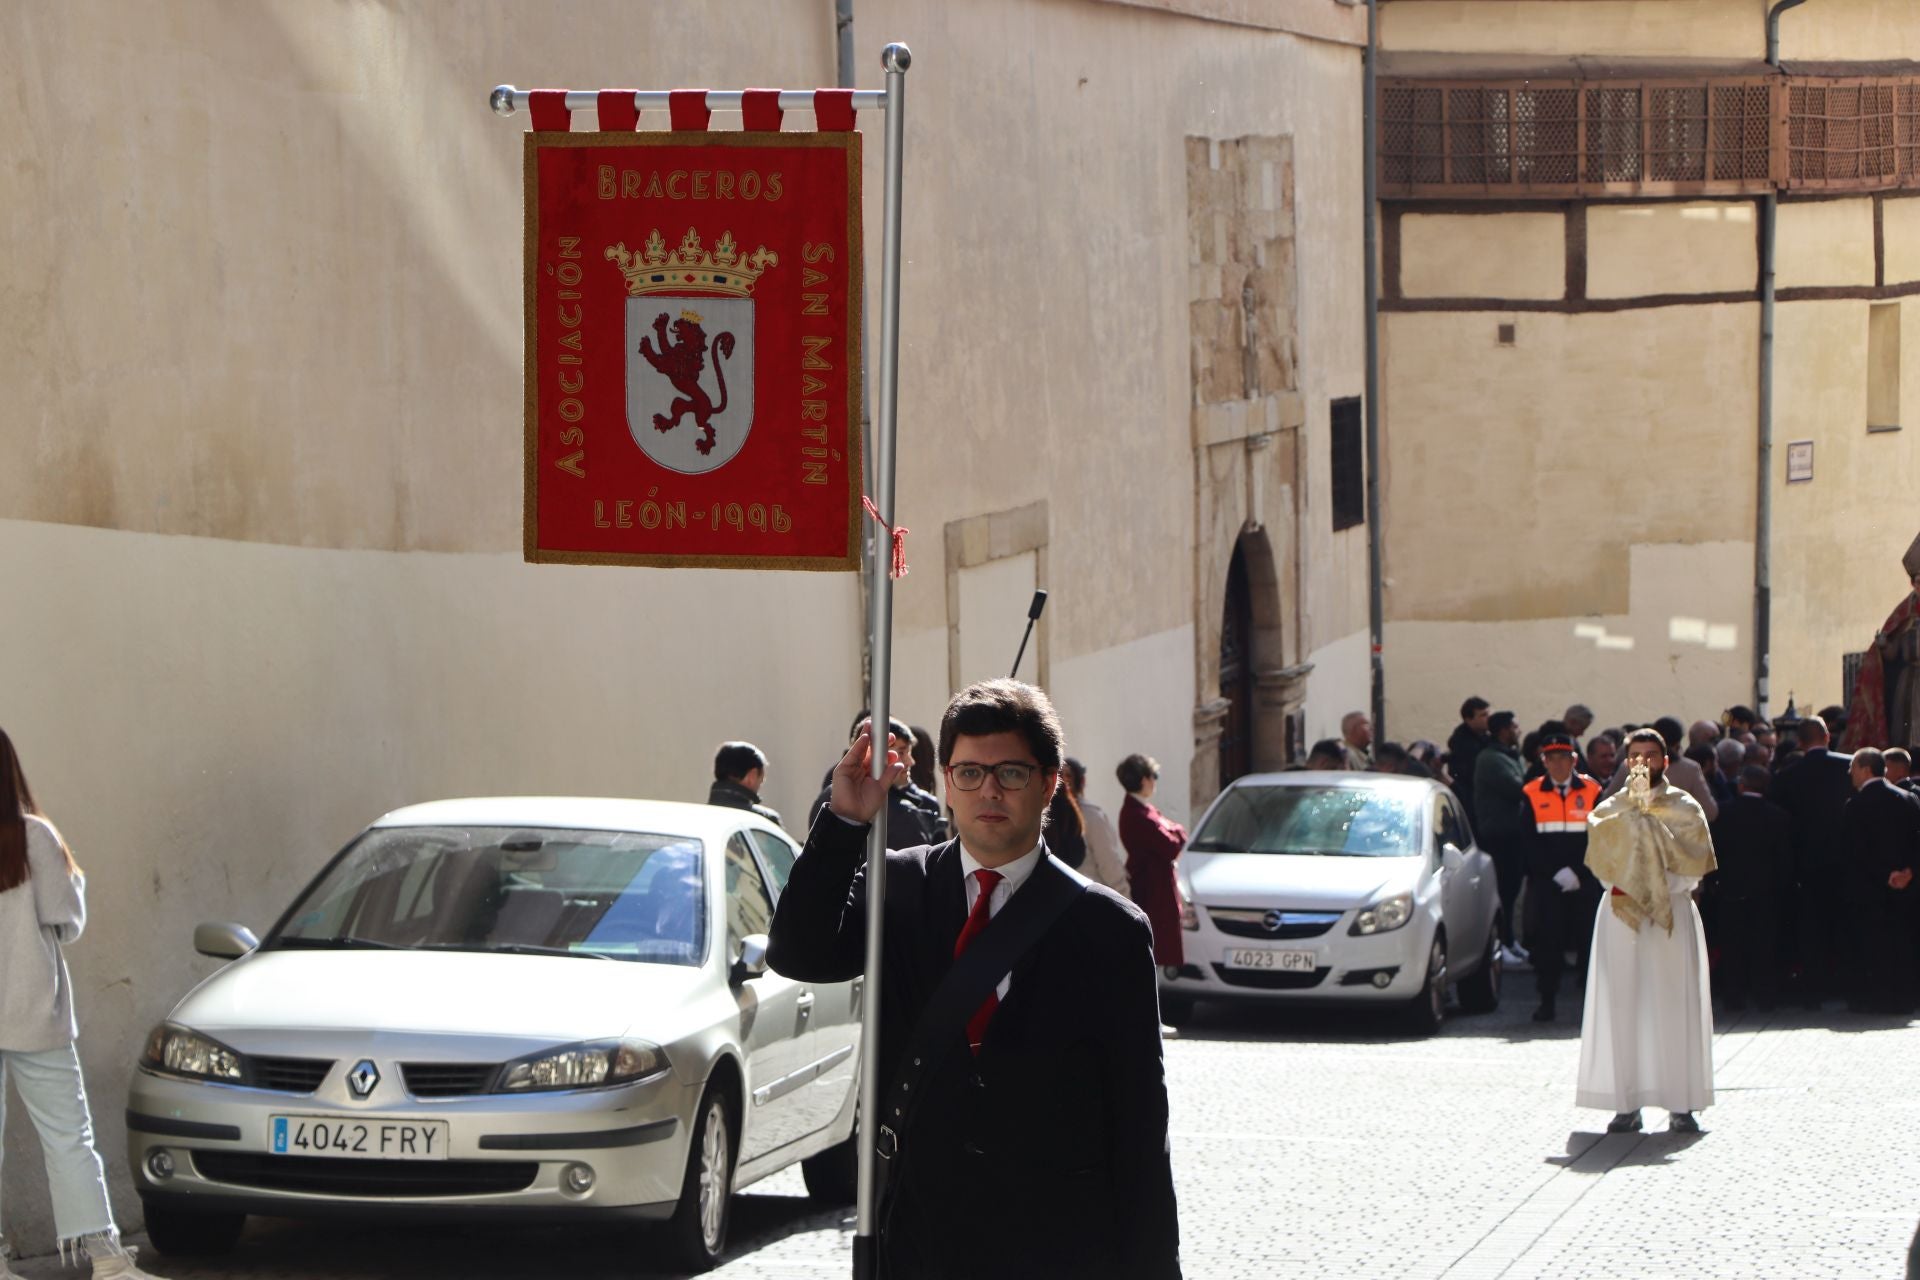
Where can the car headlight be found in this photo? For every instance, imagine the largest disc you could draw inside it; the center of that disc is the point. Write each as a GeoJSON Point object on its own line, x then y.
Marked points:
{"type": "Point", "coordinates": [584, 1066]}
{"type": "Point", "coordinates": [180, 1052]}
{"type": "Point", "coordinates": [1384, 916]}
{"type": "Point", "coordinates": [1189, 914]}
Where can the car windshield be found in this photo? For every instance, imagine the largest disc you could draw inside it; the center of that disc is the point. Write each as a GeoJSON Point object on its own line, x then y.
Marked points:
{"type": "Point", "coordinates": [618, 895]}
{"type": "Point", "coordinates": [1366, 822]}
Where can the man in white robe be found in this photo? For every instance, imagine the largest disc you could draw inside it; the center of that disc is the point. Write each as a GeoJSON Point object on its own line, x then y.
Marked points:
{"type": "Point", "coordinates": [1647, 1035]}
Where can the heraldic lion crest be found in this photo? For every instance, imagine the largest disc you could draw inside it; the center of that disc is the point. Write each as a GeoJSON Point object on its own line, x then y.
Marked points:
{"type": "Point", "coordinates": [681, 359]}
{"type": "Point", "coordinates": [688, 307]}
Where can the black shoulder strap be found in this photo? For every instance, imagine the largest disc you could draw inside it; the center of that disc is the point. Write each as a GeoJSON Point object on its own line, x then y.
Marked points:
{"type": "Point", "coordinates": [1009, 935]}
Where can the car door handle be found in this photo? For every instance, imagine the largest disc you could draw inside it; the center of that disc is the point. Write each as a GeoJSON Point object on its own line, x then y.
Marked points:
{"type": "Point", "coordinates": [806, 1000]}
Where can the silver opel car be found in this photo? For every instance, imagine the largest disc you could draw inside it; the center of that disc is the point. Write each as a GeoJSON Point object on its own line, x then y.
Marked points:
{"type": "Point", "coordinates": [1317, 888]}
{"type": "Point", "coordinates": [504, 1008]}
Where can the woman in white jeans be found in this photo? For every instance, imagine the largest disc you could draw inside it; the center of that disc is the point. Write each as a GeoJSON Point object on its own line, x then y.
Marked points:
{"type": "Point", "coordinates": [43, 906]}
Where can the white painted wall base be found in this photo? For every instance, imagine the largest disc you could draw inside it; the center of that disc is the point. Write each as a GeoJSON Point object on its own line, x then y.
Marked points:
{"type": "Point", "coordinates": [208, 721]}
{"type": "Point", "coordinates": [1682, 649]}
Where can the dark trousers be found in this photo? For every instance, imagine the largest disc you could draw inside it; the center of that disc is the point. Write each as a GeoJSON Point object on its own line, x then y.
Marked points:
{"type": "Point", "coordinates": [1509, 871]}
{"type": "Point", "coordinates": [1558, 922]}
{"type": "Point", "coordinates": [1820, 925]}
{"type": "Point", "coordinates": [1883, 976]}
{"type": "Point", "coordinates": [1748, 935]}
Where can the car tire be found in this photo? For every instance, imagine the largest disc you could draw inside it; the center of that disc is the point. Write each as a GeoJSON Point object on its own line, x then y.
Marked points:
{"type": "Point", "coordinates": [833, 1176]}
{"type": "Point", "coordinates": [1481, 992]}
{"type": "Point", "coordinates": [697, 1231]}
{"type": "Point", "coordinates": [1176, 1008]}
{"type": "Point", "coordinates": [1426, 1011]}
{"type": "Point", "coordinates": [192, 1233]}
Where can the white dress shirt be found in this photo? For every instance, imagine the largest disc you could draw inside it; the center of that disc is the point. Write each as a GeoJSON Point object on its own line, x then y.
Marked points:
{"type": "Point", "coordinates": [1012, 876]}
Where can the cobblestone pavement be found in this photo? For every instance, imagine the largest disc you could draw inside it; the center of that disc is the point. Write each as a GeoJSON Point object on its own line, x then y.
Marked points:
{"type": "Point", "coordinates": [1325, 1145]}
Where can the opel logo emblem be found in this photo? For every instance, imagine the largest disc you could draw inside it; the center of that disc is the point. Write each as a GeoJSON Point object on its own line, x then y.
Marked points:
{"type": "Point", "coordinates": [363, 1079]}
{"type": "Point", "coordinates": [1273, 921]}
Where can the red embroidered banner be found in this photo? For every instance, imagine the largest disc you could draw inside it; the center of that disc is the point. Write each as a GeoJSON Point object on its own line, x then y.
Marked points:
{"type": "Point", "coordinates": [693, 349]}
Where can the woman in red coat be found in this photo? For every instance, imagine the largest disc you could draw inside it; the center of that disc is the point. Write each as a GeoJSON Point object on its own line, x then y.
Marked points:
{"type": "Point", "coordinates": [1153, 843]}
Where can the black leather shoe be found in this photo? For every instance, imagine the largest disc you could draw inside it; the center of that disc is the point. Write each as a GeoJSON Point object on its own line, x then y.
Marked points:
{"type": "Point", "coordinates": [1545, 1012]}
{"type": "Point", "coordinates": [1625, 1122]}
{"type": "Point", "coordinates": [1683, 1122]}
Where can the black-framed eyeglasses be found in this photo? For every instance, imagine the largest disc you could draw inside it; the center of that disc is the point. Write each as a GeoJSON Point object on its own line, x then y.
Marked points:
{"type": "Point", "coordinates": [1012, 775]}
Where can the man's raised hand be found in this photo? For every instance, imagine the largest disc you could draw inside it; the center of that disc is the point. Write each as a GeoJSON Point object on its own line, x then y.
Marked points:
{"type": "Point", "coordinates": [858, 796]}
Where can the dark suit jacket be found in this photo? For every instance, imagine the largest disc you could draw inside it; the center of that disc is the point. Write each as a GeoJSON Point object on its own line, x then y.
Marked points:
{"type": "Point", "coordinates": [1753, 844]}
{"type": "Point", "coordinates": [1047, 1155]}
{"type": "Point", "coordinates": [1815, 789]}
{"type": "Point", "coordinates": [1882, 830]}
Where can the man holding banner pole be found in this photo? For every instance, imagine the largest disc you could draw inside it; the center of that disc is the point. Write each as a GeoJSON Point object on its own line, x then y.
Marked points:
{"type": "Point", "coordinates": [1022, 1114]}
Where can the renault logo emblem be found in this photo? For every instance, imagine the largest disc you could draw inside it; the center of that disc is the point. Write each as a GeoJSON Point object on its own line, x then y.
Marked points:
{"type": "Point", "coordinates": [1273, 921]}
{"type": "Point", "coordinates": [363, 1079]}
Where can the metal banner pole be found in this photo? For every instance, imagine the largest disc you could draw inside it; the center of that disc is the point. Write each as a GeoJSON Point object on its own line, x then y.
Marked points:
{"type": "Point", "coordinates": [896, 58]}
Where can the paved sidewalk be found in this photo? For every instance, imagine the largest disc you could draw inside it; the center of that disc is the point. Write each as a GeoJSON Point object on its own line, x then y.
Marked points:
{"type": "Point", "coordinates": [1324, 1146]}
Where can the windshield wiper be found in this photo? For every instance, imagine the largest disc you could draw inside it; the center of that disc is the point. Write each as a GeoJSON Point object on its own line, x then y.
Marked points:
{"type": "Point", "coordinates": [511, 948]}
{"type": "Point", "coordinates": [339, 942]}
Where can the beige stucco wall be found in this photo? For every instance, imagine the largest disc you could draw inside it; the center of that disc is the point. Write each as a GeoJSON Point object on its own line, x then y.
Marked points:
{"type": "Point", "coordinates": [1596, 431]}
{"type": "Point", "coordinates": [1840, 536]}
{"type": "Point", "coordinates": [1863, 30]}
{"type": "Point", "coordinates": [1681, 646]}
{"type": "Point", "coordinates": [1638, 250]}
{"type": "Point", "coordinates": [1900, 223]}
{"type": "Point", "coordinates": [262, 349]}
{"type": "Point", "coordinates": [1494, 255]}
{"type": "Point", "coordinates": [1825, 243]}
{"type": "Point", "coordinates": [1657, 28]}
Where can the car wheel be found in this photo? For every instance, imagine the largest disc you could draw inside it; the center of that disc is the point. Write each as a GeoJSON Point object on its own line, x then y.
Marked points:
{"type": "Point", "coordinates": [1481, 992]}
{"type": "Point", "coordinates": [1176, 1008]}
{"type": "Point", "coordinates": [192, 1233]}
{"type": "Point", "coordinates": [833, 1176]}
{"type": "Point", "coordinates": [697, 1232]}
{"type": "Point", "coordinates": [1429, 1009]}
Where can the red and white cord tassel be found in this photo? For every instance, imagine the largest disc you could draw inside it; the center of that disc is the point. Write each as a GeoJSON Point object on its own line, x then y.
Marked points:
{"type": "Point", "coordinates": [898, 534]}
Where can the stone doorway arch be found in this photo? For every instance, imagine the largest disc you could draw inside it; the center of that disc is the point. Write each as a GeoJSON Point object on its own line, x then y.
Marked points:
{"type": "Point", "coordinates": [1250, 722]}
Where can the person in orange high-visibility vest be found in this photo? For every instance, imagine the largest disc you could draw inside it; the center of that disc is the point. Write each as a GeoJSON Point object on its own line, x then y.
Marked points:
{"type": "Point", "coordinates": [1562, 894]}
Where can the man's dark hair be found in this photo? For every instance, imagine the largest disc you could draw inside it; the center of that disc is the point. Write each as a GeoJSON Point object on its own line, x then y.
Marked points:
{"type": "Point", "coordinates": [1075, 774]}
{"type": "Point", "coordinates": [1553, 726]}
{"type": "Point", "coordinates": [896, 727]}
{"type": "Point", "coordinates": [1654, 736]}
{"type": "Point", "coordinates": [1835, 717]}
{"type": "Point", "coordinates": [1501, 720]}
{"type": "Point", "coordinates": [1389, 754]}
{"type": "Point", "coordinates": [1874, 759]}
{"type": "Point", "coordinates": [1756, 779]}
{"type": "Point", "coordinates": [1811, 730]}
{"type": "Point", "coordinates": [735, 760]}
{"type": "Point", "coordinates": [1898, 755]}
{"type": "Point", "coordinates": [1134, 771]}
{"type": "Point", "coordinates": [1004, 706]}
{"type": "Point", "coordinates": [1329, 749]}
{"type": "Point", "coordinates": [1741, 714]}
{"type": "Point", "coordinates": [1671, 730]}
{"type": "Point", "coordinates": [1473, 707]}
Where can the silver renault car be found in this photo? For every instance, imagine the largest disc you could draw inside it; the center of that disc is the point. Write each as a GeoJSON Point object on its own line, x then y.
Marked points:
{"type": "Point", "coordinates": [507, 1008]}
{"type": "Point", "coordinates": [1343, 888]}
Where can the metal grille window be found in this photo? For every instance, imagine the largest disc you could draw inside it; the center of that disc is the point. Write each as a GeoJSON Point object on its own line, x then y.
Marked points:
{"type": "Point", "coordinates": [1722, 135]}
{"type": "Point", "coordinates": [1349, 466]}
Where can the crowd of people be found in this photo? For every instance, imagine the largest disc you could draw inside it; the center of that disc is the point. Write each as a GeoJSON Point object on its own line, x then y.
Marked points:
{"type": "Point", "coordinates": [1133, 853]}
{"type": "Point", "coordinates": [1812, 899]}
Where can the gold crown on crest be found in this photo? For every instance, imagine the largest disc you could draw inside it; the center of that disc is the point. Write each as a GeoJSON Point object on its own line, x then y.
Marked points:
{"type": "Point", "coordinates": [722, 270]}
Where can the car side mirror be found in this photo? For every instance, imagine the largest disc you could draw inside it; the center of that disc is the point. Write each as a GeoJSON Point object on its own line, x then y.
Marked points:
{"type": "Point", "coordinates": [753, 959]}
{"type": "Point", "coordinates": [1450, 856]}
{"type": "Point", "coordinates": [224, 941]}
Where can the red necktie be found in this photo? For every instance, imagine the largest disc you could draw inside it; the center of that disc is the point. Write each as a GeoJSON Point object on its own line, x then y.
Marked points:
{"type": "Point", "coordinates": [976, 921]}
